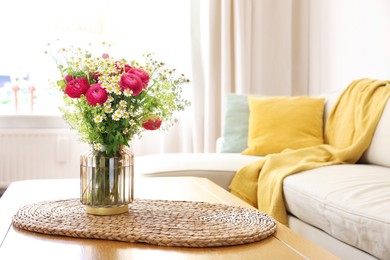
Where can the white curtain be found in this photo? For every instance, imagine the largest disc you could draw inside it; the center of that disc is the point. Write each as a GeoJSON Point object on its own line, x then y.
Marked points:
{"type": "Point", "coordinates": [243, 47]}
{"type": "Point", "coordinates": [221, 44]}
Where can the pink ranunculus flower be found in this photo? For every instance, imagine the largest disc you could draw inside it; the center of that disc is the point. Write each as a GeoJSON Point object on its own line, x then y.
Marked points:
{"type": "Point", "coordinates": [142, 75]}
{"type": "Point", "coordinates": [152, 123]}
{"type": "Point", "coordinates": [105, 56]}
{"type": "Point", "coordinates": [96, 95]}
{"type": "Point", "coordinates": [132, 82]}
{"type": "Point", "coordinates": [77, 87]}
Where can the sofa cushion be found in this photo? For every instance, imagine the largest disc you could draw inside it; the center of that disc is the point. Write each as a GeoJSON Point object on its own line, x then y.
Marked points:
{"type": "Point", "coordinates": [235, 123]}
{"type": "Point", "coordinates": [278, 123]}
{"type": "Point", "coordinates": [350, 202]}
{"type": "Point", "coordinates": [217, 167]}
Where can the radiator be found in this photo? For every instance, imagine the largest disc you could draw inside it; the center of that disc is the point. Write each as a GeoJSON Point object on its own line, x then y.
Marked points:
{"type": "Point", "coordinates": [39, 154]}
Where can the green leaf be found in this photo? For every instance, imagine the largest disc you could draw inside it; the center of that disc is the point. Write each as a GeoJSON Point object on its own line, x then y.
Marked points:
{"type": "Point", "coordinates": [61, 83]}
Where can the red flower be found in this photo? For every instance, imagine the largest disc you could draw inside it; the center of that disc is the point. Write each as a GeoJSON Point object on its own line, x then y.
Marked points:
{"type": "Point", "coordinates": [77, 87]}
{"type": "Point", "coordinates": [153, 123]}
{"type": "Point", "coordinates": [68, 78]}
{"type": "Point", "coordinates": [142, 75]}
{"type": "Point", "coordinates": [124, 69]}
{"type": "Point", "coordinates": [132, 82]}
{"type": "Point", "coordinates": [96, 95]}
{"type": "Point", "coordinates": [95, 76]}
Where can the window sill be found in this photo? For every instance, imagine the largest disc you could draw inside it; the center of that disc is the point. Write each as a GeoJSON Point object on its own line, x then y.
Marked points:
{"type": "Point", "coordinates": [32, 121]}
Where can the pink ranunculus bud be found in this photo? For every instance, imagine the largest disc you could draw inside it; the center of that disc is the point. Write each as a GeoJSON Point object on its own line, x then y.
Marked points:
{"type": "Point", "coordinates": [123, 69]}
{"type": "Point", "coordinates": [68, 78]}
{"type": "Point", "coordinates": [77, 87]}
{"type": "Point", "coordinates": [142, 75]}
{"type": "Point", "coordinates": [132, 82]}
{"type": "Point", "coordinates": [105, 56]}
{"type": "Point", "coordinates": [95, 75]}
{"type": "Point", "coordinates": [96, 95]}
{"type": "Point", "coordinates": [152, 123]}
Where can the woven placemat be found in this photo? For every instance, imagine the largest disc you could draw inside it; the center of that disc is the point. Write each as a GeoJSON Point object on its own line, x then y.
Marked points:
{"type": "Point", "coordinates": [157, 222]}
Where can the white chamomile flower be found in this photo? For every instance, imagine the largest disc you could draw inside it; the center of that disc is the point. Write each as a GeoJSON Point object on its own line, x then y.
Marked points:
{"type": "Point", "coordinates": [107, 104]}
{"type": "Point", "coordinates": [127, 92]}
{"type": "Point", "coordinates": [123, 103]}
{"type": "Point", "coordinates": [118, 113]}
{"type": "Point", "coordinates": [110, 89]}
{"type": "Point", "coordinates": [99, 147]}
{"type": "Point", "coordinates": [117, 91]}
{"type": "Point", "coordinates": [98, 119]}
{"type": "Point", "coordinates": [108, 110]}
{"type": "Point", "coordinates": [125, 114]}
{"type": "Point", "coordinates": [115, 117]}
{"type": "Point", "coordinates": [122, 109]}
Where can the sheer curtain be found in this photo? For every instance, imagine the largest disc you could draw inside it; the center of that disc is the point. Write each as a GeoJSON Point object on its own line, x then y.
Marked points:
{"type": "Point", "coordinates": [248, 47]}
{"type": "Point", "coordinates": [221, 44]}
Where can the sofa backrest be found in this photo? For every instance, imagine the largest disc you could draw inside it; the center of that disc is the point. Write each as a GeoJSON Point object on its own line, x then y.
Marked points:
{"type": "Point", "coordinates": [379, 151]}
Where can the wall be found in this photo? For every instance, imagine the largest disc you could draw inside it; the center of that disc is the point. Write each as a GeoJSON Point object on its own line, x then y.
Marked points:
{"type": "Point", "coordinates": [349, 39]}
{"type": "Point", "coordinates": [38, 147]}
{"type": "Point", "coordinates": [314, 47]}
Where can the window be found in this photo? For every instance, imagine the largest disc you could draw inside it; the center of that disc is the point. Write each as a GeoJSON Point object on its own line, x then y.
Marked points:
{"type": "Point", "coordinates": [132, 27]}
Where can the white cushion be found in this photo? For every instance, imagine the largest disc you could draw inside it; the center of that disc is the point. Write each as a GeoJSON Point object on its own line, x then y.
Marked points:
{"type": "Point", "coordinates": [217, 167]}
{"type": "Point", "coordinates": [350, 202]}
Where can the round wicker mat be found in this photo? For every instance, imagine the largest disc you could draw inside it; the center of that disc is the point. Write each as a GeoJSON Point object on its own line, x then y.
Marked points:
{"type": "Point", "coordinates": [157, 222]}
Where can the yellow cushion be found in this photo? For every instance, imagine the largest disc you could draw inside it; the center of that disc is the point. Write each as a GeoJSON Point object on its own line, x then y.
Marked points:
{"type": "Point", "coordinates": [278, 123]}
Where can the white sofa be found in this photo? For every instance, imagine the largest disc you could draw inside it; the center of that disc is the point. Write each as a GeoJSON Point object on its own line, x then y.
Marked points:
{"type": "Point", "coordinates": [344, 208]}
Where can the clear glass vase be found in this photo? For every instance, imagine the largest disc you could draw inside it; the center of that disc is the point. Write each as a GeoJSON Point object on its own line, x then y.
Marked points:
{"type": "Point", "coordinates": [107, 182]}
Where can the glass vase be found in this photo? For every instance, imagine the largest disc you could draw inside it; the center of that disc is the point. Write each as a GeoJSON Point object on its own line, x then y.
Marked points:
{"type": "Point", "coordinates": [107, 182]}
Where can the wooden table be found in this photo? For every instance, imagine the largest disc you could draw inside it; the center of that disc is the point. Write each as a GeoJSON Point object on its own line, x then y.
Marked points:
{"type": "Point", "coordinates": [21, 244]}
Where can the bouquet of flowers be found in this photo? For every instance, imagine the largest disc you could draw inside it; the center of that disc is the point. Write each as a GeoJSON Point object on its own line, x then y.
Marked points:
{"type": "Point", "coordinates": [110, 101]}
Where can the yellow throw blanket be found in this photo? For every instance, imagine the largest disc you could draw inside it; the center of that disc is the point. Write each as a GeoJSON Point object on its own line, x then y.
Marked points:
{"type": "Point", "coordinates": [348, 133]}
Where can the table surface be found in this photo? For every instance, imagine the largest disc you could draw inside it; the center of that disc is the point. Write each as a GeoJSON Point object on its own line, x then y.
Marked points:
{"type": "Point", "coordinates": [20, 244]}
